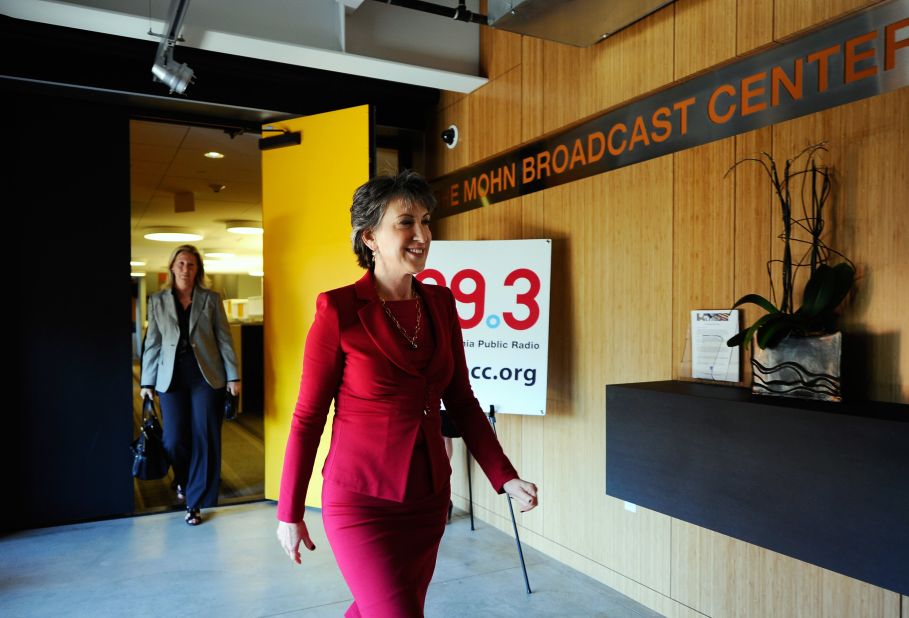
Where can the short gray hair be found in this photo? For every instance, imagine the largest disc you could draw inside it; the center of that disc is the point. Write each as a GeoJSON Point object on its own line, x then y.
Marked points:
{"type": "Point", "coordinates": [373, 197]}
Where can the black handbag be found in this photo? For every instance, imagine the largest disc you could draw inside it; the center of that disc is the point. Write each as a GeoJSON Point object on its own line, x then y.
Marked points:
{"type": "Point", "coordinates": [149, 458]}
{"type": "Point", "coordinates": [231, 406]}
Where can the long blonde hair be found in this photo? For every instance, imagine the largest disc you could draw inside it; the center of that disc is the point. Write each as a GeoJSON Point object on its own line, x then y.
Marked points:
{"type": "Point", "coordinates": [200, 273]}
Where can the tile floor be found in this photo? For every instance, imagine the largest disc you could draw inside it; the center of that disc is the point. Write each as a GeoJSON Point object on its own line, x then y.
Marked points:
{"type": "Point", "coordinates": [157, 566]}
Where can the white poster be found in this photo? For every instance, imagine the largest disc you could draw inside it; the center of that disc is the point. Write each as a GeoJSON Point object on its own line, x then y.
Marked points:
{"type": "Point", "coordinates": [502, 293]}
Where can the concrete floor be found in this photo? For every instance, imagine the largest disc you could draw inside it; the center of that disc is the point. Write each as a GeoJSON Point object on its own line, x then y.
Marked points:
{"type": "Point", "coordinates": [231, 565]}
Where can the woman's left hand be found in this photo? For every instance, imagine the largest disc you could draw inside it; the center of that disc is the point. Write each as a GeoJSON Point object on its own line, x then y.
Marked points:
{"type": "Point", "coordinates": [233, 388]}
{"type": "Point", "coordinates": [522, 492]}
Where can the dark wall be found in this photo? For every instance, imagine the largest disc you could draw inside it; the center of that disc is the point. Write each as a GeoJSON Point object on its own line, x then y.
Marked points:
{"type": "Point", "coordinates": [67, 99]}
{"type": "Point", "coordinates": [67, 436]}
{"type": "Point", "coordinates": [107, 63]}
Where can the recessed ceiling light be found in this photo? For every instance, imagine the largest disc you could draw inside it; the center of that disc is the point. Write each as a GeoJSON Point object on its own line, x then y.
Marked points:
{"type": "Point", "coordinates": [137, 262]}
{"type": "Point", "coordinates": [219, 255]}
{"type": "Point", "coordinates": [245, 227]}
{"type": "Point", "coordinates": [136, 274]}
{"type": "Point", "coordinates": [172, 234]}
{"type": "Point", "coordinates": [256, 273]}
{"type": "Point", "coordinates": [214, 155]}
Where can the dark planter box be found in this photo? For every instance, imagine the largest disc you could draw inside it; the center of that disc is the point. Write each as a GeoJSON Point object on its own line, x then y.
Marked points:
{"type": "Point", "coordinates": [827, 483]}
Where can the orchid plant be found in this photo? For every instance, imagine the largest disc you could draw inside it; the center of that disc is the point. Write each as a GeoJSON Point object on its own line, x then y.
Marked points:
{"type": "Point", "coordinates": [828, 284]}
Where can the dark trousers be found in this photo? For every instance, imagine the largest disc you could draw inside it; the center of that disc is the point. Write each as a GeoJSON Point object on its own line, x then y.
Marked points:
{"type": "Point", "coordinates": [192, 415]}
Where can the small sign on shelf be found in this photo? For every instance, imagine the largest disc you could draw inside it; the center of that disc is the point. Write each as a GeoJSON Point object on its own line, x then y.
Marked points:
{"type": "Point", "coordinates": [711, 358]}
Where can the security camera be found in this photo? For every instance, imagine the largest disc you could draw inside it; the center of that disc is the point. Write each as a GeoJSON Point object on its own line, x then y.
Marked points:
{"type": "Point", "coordinates": [450, 136]}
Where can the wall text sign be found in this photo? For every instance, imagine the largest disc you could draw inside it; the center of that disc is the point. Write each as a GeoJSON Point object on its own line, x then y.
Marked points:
{"type": "Point", "coordinates": [858, 57]}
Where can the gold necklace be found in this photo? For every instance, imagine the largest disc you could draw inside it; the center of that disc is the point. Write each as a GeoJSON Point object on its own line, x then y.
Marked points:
{"type": "Point", "coordinates": [416, 331]}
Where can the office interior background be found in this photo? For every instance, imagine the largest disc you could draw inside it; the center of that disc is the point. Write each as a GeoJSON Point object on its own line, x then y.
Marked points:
{"type": "Point", "coordinates": [634, 250]}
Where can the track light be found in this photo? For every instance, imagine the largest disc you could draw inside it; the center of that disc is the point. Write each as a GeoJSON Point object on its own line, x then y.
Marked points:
{"type": "Point", "coordinates": [177, 76]}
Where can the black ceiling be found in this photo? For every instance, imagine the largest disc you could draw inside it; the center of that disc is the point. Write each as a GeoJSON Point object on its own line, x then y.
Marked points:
{"type": "Point", "coordinates": [70, 62]}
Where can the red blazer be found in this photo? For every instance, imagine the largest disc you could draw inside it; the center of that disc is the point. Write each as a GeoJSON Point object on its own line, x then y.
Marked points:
{"type": "Point", "coordinates": [353, 356]}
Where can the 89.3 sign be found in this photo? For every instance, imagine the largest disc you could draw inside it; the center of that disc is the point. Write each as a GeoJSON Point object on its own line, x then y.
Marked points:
{"type": "Point", "coordinates": [501, 289]}
{"type": "Point", "coordinates": [477, 296]}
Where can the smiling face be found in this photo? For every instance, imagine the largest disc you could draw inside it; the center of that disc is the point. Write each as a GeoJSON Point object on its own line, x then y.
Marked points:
{"type": "Point", "coordinates": [185, 268]}
{"type": "Point", "coordinates": [401, 240]}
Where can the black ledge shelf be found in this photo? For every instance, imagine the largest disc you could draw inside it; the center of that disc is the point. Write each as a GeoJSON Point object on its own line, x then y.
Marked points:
{"type": "Point", "coordinates": [824, 483]}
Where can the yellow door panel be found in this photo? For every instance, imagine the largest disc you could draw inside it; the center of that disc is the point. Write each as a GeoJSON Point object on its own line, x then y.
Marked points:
{"type": "Point", "coordinates": [306, 195]}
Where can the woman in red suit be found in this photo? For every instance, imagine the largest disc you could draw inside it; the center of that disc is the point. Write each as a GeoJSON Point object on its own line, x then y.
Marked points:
{"type": "Point", "coordinates": [387, 350]}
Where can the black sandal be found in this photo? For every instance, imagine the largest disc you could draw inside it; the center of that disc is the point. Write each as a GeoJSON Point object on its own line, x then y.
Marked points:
{"type": "Point", "coordinates": [193, 517]}
{"type": "Point", "coordinates": [181, 495]}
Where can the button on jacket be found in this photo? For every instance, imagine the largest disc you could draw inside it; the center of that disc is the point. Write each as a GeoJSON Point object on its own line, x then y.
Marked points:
{"type": "Point", "coordinates": [382, 401]}
{"type": "Point", "coordinates": [209, 337]}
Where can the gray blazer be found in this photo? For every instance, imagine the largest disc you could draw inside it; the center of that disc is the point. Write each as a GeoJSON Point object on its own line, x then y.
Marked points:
{"type": "Point", "coordinates": [209, 336]}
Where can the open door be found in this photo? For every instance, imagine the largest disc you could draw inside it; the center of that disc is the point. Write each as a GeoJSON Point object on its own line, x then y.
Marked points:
{"type": "Point", "coordinates": [306, 195]}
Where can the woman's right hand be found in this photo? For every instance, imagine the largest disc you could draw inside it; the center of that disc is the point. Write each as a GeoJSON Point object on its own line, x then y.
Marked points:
{"type": "Point", "coordinates": [522, 492]}
{"type": "Point", "coordinates": [290, 536]}
{"type": "Point", "coordinates": [148, 393]}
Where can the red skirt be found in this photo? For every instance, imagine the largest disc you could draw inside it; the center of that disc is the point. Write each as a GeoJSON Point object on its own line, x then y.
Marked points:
{"type": "Point", "coordinates": [387, 550]}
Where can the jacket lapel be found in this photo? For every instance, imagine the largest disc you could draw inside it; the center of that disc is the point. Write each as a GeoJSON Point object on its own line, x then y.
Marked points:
{"type": "Point", "coordinates": [443, 342]}
{"type": "Point", "coordinates": [169, 301]}
{"type": "Point", "coordinates": [200, 298]}
{"type": "Point", "coordinates": [378, 326]}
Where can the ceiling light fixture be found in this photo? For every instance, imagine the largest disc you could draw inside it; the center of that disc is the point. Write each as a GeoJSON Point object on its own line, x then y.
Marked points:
{"type": "Point", "coordinates": [136, 274]}
{"type": "Point", "coordinates": [137, 262]}
{"type": "Point", "coordinates": [213, 155]}
{"type": "Point", "coordinates": [249, 228]}
{"type": "Point", "coordinates": [219, 255]}
{"type": "Point", "coordinates": [236, 265]}
{"type": "Point", "coordinates": [172, 234]}
{"type": "Point", "coordinates": [177, 76]}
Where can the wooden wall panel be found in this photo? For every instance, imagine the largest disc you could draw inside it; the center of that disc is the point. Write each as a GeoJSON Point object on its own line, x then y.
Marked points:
{"type": "Point", "coordinates": [574, 447]}
{"type": "Point", "coordinates": [791, 17]}
{"type": "Point", "coordinates": [720, 576]}
{"type": "Point", "coordinates": [538, 224]}
{"type": "Point", "coordinates": [754, 211]}
{"type": "Point", "coordinates": [562, 100]}
{"type": "Point", "coordinates": [703, 237]}
{"type": "Point", "coordinates": [500, 52]}
{"type": "Point", "coordinates": [754, 25]}
{"type": "Point", "coordinates": [495, 116]}
{"type": "Point", "coordinates": [634, 250]}
{"type": "Point", "coordinates": [704, 34]}
{"type": "Point", "coordinates": [636, 276]}
{"type": "Point", "coordinates": [631, 209]}
{"type": "Point", "coordinates": [633, 308]}
{"type": "Point", "coordinates": [647, 46]}
{"type": "Point", "coordinates": [532, 87]}
{"type": "Point", "coordinates": [574, 433]}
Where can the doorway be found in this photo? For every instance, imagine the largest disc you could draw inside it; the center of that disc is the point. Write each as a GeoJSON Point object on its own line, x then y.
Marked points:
{"type": "Point", "coordinates": [205, 183]}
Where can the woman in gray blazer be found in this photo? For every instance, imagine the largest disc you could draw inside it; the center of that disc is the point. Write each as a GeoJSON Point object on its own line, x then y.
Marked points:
{"type": "Point", "coordinates": [189, 359]}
